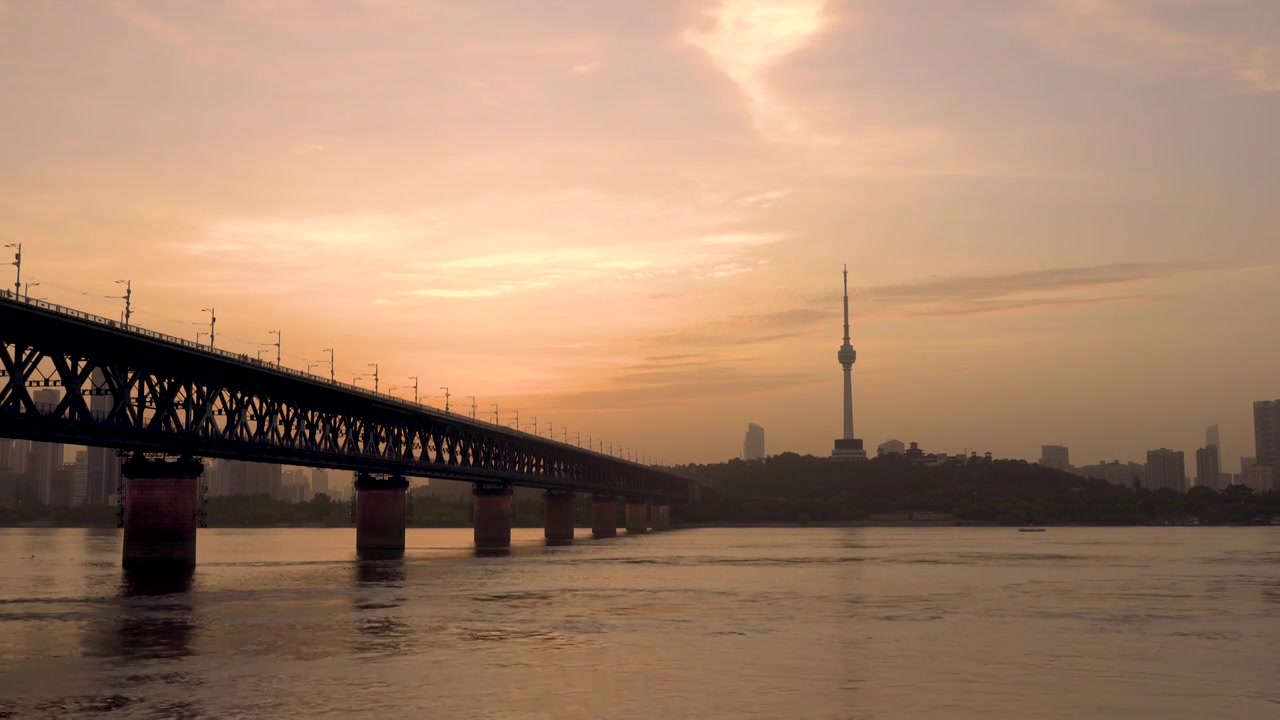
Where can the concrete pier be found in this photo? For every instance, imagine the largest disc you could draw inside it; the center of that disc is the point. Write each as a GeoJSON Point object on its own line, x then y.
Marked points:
{"type": "Point", "coordinates": [661, 517]}
{"type": "Point", "coordinates": [492, 505]}
{"type": "Point", "coordinates": [604, 516]}
{"type": "Point", "coordinates": [558, 516]}
{"type": "Point", "coordinates": [380, 516]}
{"type": "Point", "coordinates": [637, 517]}
{"type": "Point", "coordinates": [161, 507]}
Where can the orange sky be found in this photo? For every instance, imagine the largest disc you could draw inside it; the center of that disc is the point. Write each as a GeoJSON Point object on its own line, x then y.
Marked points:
{"type": "Point", "coordinates": [629, 218]}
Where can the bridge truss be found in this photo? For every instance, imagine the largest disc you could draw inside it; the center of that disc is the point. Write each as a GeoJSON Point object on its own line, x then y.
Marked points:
{"type": "Point", "coordinates": [68, 376]}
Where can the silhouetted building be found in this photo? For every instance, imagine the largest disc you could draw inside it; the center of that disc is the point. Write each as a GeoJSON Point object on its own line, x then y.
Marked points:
{"type": "Point", "coordinates": [1166, 469]}
{"type": "Point", "coordinates": [80, 478]}
{"type": "Point", "coordinates": [1057, 457]}
{"type": "Point", "coordinates": [1266, 433]}
{"type": "Point", "coordinates": [753, 445]}
{"type": "Point", "coordinates": [46, 458]}
{"type": "Point", "coordinates": [891, 447]}
{"type": "Point", "coordinates": [1116, 472]}
{"type": "Point", "coordinates": [1208, 467]}
{"type": "Point", "coordinates": [234, 477]}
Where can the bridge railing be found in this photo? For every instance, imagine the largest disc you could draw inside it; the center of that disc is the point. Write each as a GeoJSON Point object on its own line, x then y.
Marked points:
{"type": "Point", "coordinates": [244, 359]}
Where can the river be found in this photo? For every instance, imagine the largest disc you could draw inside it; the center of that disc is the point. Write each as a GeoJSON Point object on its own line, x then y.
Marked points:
{"type": "Point", "coordinates": [707, 623]}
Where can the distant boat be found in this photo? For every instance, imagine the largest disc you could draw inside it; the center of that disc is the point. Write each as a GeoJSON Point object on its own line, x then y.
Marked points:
{"type": "Point", "coordinates": [1033, 528]}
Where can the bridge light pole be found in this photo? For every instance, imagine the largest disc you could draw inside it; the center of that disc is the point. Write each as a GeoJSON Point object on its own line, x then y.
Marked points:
{"type": "Point", "coordinates": [446, 396]}
{"type": "Point", "coordinates": [535, 426]}
{"type": "Point", "coordinates": [472, 398]}
{"type": "Point", "coordinates": [198, 334]}
{"type": "Point", "coordinates": [260, 354]}
{"type": "Point", "coordinates": [375, 377]}
{"type": "Point", "coordinates": [311, 366]}
{"type": "Point", "coordinates": [279, 338]}
{"type": "Point", "coordinates": [17, 262]}
{"type": "Point", "coordinates": [610, 447]}
{"type": "Point", "coordinates": [495, 413]}
{"type": "Point", "coordinates": [551, 431]}
{"type": "Point", "coordinates": [330, 351]}
{"type": "Point", "coordinates": [28, 287]}
{"type": "Point", "coordinates": [414, 378]}
{"type": "Point", "coordinates": [518, 422]}
{"type": "Point", "coordinates": [564, 432]}
{"type": "Point", "coordinates": [213, 321]}
{"type": "Point", "coordinates": [128, 299]}
{"type": "Point", "coordinates": [577, 438]}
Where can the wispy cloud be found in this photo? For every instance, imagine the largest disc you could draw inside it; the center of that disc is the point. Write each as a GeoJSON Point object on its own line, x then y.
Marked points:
{"type": "Point", "coordinates": [746, 38]}
{"type": "Point", "coordinates": [140, 18]}
{"type": "Point", "coordinates": [1143, 35]}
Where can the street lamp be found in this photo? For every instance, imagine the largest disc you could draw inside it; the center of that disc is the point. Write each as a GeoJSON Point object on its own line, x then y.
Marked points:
{"type": "Point", "coordinates": [495, 413]}
{"type": "Point", "coordinates": [375, 377]}
{"type": "Point", "coordinates": [445, 388]}
{"type": "Point", "coordinates": [198, 334]}
{"type": "Point", "coordinates": [279, 338]}
{"type": "Point", "coordinates": [28, 287]}
{"type": "Point", "coordinates": [535, 426]}
{"type": "Point", "coordinates": [127, 297]}
{"type": "Point", "coordinates": [260, 354]}
{"type": "Point", "coordinates": [213, 322]}
{"type": "Point", "coordinates": [551, 431]}
{"type": "Point", "coordinates": [330, 351]}
{"type": "Point", "coordinates": [17, 262]}
{"type": "Point", "coordinates": [414, 378]}
{"type": "Point", "coordinates": [565, 432]}
{"type": "Point", "coordinates": [472, 398]}
{"type": "Point", "coordinates": [313, 365]}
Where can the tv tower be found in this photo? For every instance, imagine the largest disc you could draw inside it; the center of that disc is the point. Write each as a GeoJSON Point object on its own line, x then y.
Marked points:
{"type": "Point", "coordinates": [848, 447]}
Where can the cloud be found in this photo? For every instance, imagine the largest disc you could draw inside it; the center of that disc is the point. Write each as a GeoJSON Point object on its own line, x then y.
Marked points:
{"type": "Point", "coordinates": [746, 38]}
{"type": "Point", "coordinates": [1140, 35]}
{"type": "Point", "coordinates": [147, 22]}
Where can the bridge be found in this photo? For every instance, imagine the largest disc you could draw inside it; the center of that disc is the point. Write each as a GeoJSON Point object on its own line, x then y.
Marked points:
{"type": "Point", "coordinates": [149, 394]}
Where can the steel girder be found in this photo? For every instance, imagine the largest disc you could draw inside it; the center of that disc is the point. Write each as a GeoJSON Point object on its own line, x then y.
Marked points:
{"type": "Point", "coordinates": [110, 386]}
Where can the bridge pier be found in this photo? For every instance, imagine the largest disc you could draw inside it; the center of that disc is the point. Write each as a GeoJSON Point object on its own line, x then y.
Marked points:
{"type": "Point", "coordinates": [558, 516]}
{"type": "Point", "coordinates": [380, 516]}
{"type": "Point", "coordinates": [161, 510]}
{"type": "Point", "coordinates": [637, 517]}
{"type": "Point", "coordinates": [492, 504]}
{"type": "Point", "coordinates": [661, 517]}
{"type": "Point", "coordinates": [604, 516]}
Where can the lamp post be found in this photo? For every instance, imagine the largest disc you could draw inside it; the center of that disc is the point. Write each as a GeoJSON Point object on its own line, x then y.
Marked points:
{"type": "Point", "coordinates": [279, 339]}
{"type": "Point", "coordinates": [213, 322]}
{"type": "Point", "coordinates": [375, 377]}
{"type": "Point", "coordinates": [128, 299]}
{"type": "Point", "coordinates": [311, 366]}
{"type": "Point", "coordinates": [445, 388]}
{"type": "Point", "coordinates": [260, 351]}
{"type": "Point", "coordinates": [330, 351]}
{"type": "Point", "coordinates": [589, 445]}
{"type": "Point", "coordinates": [518, 421]}
{"type": "Point", "coordinates": [17, 262]}
{"type": "Point", "coordinates": [551, 431]}
{"type": "Point", "coordinates": [564, 431]}
{"type": "Point", "coordinates": [28, 287]}
{"type": "Point", "coordinates": [535, 426]}
{"type": "Point", "coordinates": [495, 413]}
{"type": "Point", "coordinates": [198, 334]}
{"type": "Point", "coordinates": [414, 378]}
{"type": "Point", "coordinates": [472, 398]}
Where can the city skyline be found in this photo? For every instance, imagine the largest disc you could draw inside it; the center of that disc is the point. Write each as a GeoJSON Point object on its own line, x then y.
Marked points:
{"type": "Point", "coordinates": [643, 203]}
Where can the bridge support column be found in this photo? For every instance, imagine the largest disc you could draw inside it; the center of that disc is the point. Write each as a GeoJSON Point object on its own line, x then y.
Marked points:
{"type": "Point", "coordinates": [558, 514]}
{"type": "Point", "coordinates": [604, 516]}
{"type": "Point", "coordinates": [161, 509]}
{"type": "Point", "coordinates": [492, 515]}
{"type": "Point", "coordinates": [380, 516]}
{"type": "Point", "coordinates": [661, 517]}
{"type": "Point", "coordinates": [637, 517]}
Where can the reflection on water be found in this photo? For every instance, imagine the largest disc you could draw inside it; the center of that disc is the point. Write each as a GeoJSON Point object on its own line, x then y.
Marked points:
{"type": "Point", "coordinates": [768, 623]}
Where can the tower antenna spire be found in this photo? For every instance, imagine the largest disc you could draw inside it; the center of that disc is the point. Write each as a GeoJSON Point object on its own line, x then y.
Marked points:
{"type": "Point", "coordinates": [846, 304]}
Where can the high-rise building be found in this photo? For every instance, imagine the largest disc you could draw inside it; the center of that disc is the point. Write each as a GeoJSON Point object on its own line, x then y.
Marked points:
{"type": "Point", "coordinates": [1116, 472]}
{"type": "Point", "coordinates": [1057, 457]}
{"type": "Point", "coordinates": [1208, 467]}
{"type": "Point", "coordinates": [1266, 433]}
{"type": "Point", "coordinates": [1166, 469]}
{"type": "Point", "coordinates": [1247, 462]}
{"type": "Point", "coordinates": [319, 481]}
{"type": "Point", "coordinates": [80, 478]}
{"type": "Point", "coordinates": [1259, 478]}
{"type": "Point", "coordinates": [848, 447]}
{"type": "Point", "coordinates": [104, 463]}
{"type": "Point", "coordinates": [46, 458]}
{"type": "Point", "coordinates": [753, 445]}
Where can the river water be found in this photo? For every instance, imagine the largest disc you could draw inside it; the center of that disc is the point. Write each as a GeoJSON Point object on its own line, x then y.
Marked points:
{"type": "Point", "coordinates": [709, 623]}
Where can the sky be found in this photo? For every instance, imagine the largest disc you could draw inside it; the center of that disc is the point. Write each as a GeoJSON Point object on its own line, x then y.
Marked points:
{"type": "Point", "coordinates": [629, 219]}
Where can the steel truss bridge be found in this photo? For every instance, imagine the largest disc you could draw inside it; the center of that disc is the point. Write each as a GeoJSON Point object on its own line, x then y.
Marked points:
{"type": "Point", "coordinates": [133, 389]}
